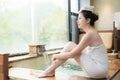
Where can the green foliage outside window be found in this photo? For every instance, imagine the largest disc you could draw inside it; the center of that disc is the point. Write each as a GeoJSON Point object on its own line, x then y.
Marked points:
{"type": "Point", "coordinates": [50, 25]}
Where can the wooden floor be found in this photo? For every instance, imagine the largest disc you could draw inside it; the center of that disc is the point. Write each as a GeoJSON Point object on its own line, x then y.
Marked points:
{"type": "Point", "coordinates": [114, 66]}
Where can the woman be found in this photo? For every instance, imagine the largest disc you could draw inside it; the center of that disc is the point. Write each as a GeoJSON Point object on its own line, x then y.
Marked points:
{"type": "Point", "coordinates": [94, 61]}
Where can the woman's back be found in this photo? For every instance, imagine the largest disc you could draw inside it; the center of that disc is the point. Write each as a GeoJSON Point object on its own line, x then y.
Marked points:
{"type": "Point", "coordinates": [95, 38]}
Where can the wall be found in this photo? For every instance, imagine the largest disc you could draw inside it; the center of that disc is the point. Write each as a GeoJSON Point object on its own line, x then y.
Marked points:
{"type": "Point", "coordinates": [106, 10]}
{"type": "Point", "coordinates": [84, 3]}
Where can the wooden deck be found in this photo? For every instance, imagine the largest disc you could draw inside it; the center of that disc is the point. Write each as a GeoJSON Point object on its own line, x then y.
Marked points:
{"type": "Point", "coordinates": [114, 66]}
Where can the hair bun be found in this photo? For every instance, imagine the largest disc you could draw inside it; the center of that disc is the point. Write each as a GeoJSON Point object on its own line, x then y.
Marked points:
{"type": "Point", "coordinates": [95, 17]}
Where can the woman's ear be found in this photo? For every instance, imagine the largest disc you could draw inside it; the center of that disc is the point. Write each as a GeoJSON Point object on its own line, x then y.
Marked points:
{"type": "Point", "coordinates": [88, 20]}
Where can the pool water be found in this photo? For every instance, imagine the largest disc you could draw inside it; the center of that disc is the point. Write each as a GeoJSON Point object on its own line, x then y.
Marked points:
{"type": "Point", "coordinates": [41, 63]}
{"type": "Point", "coordinates": [69, 67]}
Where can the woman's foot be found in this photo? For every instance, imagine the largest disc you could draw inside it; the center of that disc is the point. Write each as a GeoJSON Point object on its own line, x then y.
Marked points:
{"type": "Point", "coordinates": [42, 74]}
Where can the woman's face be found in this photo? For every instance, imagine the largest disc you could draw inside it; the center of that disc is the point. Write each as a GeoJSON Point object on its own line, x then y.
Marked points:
{"type": "Point", "coordinates": [81, 21]}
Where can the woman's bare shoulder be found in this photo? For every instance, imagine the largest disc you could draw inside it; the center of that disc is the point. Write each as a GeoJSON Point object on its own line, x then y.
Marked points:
{"type": "Point", "coordinates": [87, 36]}
{"type": "Point", "coordinates": [91, 33]}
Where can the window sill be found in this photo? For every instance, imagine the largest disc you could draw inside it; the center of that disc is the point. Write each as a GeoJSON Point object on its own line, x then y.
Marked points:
{"type": "Point", "coordinates": [27, 56]}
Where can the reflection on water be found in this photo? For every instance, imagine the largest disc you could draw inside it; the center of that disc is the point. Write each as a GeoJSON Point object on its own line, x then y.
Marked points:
{"type": "Point", "coordinates": [46, 58]}
{"type": "Point", "coordinates": [69, 67]}
{"type": "Point", "coordinates": [41, 63]}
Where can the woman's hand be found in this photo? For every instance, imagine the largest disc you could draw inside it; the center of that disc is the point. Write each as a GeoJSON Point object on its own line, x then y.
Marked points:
{"type": "Point", "coordinates": [54, 57]}
{"type": "Point", "coordinates": [62, 56]}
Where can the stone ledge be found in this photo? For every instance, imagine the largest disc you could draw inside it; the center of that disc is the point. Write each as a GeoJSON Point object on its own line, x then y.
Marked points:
{"type": "Point", "coordinates": [27, 56]}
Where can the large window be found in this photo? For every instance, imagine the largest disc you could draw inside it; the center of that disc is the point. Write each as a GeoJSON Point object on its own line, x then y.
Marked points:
{"type": "Point", "coordinates": [26, 22]}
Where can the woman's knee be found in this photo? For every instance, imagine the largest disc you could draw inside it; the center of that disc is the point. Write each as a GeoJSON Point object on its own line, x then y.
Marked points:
{"type": "Point", "coordinates": [69, 46]}
{"type": "Point", "coordinates": [71, 43]}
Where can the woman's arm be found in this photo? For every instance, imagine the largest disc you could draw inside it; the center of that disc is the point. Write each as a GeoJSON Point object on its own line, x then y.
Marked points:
{"type": "Point", "coordinates": [85, 41]}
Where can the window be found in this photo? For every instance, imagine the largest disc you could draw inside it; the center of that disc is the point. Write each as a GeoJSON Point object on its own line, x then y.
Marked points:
{"type": "Point", "coordinates": [26, 22]}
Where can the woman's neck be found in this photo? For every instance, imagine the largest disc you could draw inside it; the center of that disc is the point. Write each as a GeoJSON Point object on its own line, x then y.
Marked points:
{"type": "Point", "coordinates": [87, 28]}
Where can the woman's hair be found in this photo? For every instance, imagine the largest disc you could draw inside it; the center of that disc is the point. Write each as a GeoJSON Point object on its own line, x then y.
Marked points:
{"type": "Point", "coordinates": [89, 14]}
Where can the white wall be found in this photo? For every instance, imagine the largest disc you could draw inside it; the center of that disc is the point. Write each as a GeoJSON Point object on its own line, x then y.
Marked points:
{"type": "Point", "coordinates": [84, 3]}
{"type": "Point", "coordinates": [106, 10]}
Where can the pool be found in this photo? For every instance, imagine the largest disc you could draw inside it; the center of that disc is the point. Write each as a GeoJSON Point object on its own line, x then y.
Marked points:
{"type": "Point", "coordinates": [41, 63]}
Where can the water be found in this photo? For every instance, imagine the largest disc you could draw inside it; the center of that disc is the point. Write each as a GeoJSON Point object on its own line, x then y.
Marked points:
{"type": "Point", "coordinates": [69, 67]}
{"type": "Point", "coordinates": [46, 58]}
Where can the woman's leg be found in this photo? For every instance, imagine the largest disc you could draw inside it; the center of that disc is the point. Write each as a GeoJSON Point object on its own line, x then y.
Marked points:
{"type": "Point", "coordinates": [68, 47]}
{"type": "Point", "coordinates": [50, 71]}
